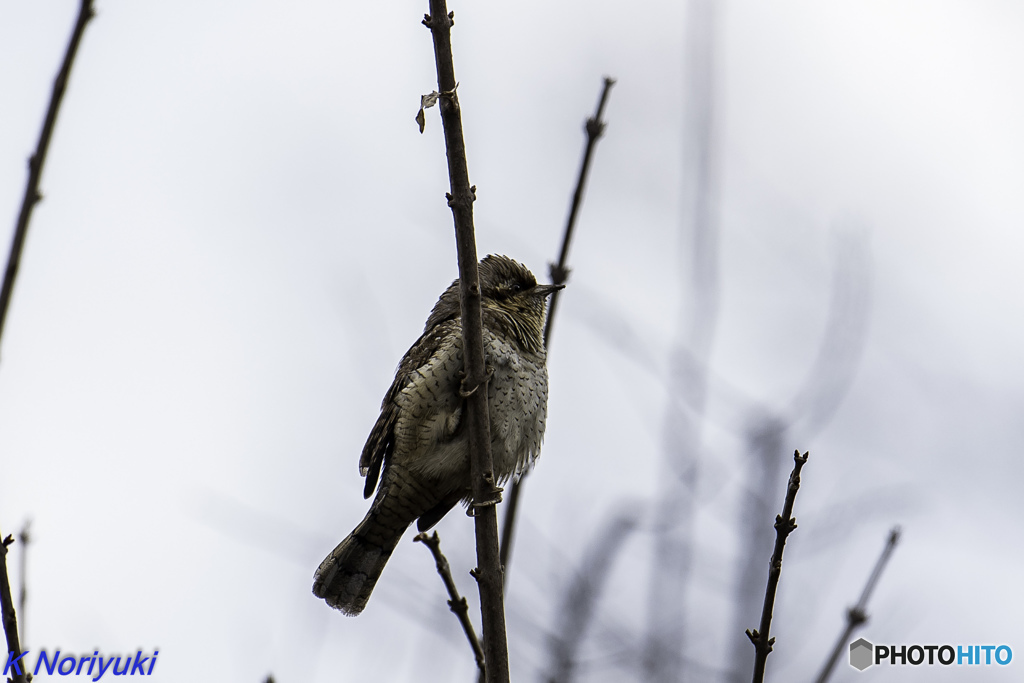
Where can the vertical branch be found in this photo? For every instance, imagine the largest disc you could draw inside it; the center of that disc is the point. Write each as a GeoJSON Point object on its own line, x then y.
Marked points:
{"type": "Point", "coordinates": [764, 460]}
{"type": "Point", "coordinates": [857, 615]}
{"type": "Point", "coordinates": [485, 494]}
{"type": "Point", "coordinates": [36, 161]}
{"type": "Point", "coordinates": [784, 525]}
{"type": "Point", "coordinates": [10, 619]}
{"type": "Point", "coordinates": [594, 128]}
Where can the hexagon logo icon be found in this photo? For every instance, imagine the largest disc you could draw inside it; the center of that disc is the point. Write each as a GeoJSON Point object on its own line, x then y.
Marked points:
{"type": "Point", "coordinates": [861, 654]}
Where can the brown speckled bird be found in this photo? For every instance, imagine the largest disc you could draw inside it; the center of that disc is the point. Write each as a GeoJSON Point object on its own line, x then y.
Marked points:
{"type": "Point", "coordinates": [418, 447]}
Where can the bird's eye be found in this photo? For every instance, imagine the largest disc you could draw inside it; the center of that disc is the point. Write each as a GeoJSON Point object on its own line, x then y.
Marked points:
{"type": "Point", "coordinates": [516, 288]}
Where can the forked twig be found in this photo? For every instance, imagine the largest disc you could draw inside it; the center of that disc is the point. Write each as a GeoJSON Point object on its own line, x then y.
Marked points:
{"type": "Point", "coordinates": [456, 602]}
{"type": "Point", "coordinates": [784, 525]}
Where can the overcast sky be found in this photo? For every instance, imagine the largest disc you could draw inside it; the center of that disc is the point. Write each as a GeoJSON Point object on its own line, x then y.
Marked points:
{"type": "Point", "coordinates": [243, 230]}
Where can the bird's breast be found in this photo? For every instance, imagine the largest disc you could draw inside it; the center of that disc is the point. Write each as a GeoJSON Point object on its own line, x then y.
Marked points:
{"type": "Point", "coordinates": [517, 402]}
{"type": "Point", "coordinates": [431, 438]}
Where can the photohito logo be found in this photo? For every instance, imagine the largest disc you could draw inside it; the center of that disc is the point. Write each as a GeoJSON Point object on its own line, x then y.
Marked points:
{"type": "Point", "coordinates": [863, 654]}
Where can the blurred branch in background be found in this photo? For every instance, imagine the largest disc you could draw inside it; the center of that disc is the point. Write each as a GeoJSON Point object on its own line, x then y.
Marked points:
{"type": "Point", "coordinates": [664, 658]}
{"type": "Point", "coordinates": [594, 128]}
{"type": "Point", "coordinates": [784, 525]}
{"type": "Point", "coordinates": [842, 344]}
{"type": "Point", "coordinates": [36, 161]}
{"type": "Point", "coordinates": [764, 429]}
{"type": "Point", "coordinates": [727, 405]}
{"type": "Point", "coordinates": [456, 602]}
{"type": "Point", "coordinates": [857, 615]}
{"type": "Point", "coordinates": [696, 394]}
{"type": "Point", "coordinates": [579, 601]}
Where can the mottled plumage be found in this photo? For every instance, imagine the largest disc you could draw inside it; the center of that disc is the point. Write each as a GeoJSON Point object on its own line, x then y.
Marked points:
{"type": "Point", "coordinates": [418, 448]}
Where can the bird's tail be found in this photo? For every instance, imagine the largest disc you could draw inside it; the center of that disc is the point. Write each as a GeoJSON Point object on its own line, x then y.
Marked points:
{"type": "Point", "coordinates": [347, 576]}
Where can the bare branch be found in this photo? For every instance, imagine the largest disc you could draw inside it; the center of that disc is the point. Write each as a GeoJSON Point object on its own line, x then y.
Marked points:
{"type": "Point", "coordinates": [36, 161]}
{"type": "Point", "coordinates": [594, 128]}
{"type": "Point", "coordinates": [29, 200]}
{"type": "Point", "coordinates": [784, 525]}
{"type": "Point", "coordinates": [857, 615]}
{"type": "Point", "coordinates": [456, 602]}
{"type": "Point", "coordinates": [485, 493]}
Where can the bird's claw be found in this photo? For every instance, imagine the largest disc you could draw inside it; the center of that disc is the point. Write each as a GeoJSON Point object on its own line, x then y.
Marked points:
{"type": "Point", "coordinates": [466, 393]}
{"type": "Point", "coordinates": [493, 499]}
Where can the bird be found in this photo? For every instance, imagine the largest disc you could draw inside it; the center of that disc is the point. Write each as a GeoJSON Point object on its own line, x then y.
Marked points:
{"type": "Point", "coordinates": [418, 449]}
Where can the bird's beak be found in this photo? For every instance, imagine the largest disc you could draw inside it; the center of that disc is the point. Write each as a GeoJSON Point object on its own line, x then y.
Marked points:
{"type": "Point", "coordinates": [544, 290]}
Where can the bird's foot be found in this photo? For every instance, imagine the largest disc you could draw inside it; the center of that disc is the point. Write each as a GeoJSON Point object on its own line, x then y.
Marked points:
{"type": "Point", "coordinates": [466, 393]}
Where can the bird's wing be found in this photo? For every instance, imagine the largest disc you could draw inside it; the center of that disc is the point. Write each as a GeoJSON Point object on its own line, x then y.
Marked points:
{"type": "Point", "coordinates": [431, 356]}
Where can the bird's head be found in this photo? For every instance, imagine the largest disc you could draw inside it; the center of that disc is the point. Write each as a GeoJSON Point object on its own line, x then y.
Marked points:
{"type": "Point", "coordinates": [512, 301]}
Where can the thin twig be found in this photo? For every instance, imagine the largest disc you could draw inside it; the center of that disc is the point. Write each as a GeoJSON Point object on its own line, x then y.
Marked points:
{"type": "Point", "coordinates": [36, 161]}
{"type": "Point", "coordinates": [485, 493]}
{"type": "Point", "coordinates": [857, 615]}
{"type": "Point", "coordinates": [784, 525]}
{"type": "Point", "coordinates": [594, 128]}
{"type": "Point", "coordinates": [456, 603]}
{"type": "Point", "coordinates": [10, 619]}
{"type": "Point", "coordinates": [30, 199]}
